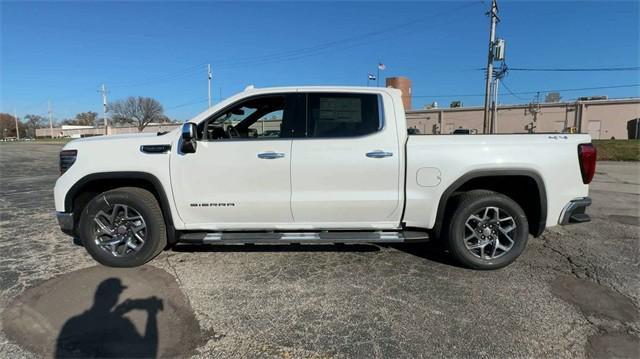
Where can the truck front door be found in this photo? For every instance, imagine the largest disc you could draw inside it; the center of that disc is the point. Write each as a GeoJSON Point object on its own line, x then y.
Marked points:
{"type": "Point", "coordinates": [239, 176]}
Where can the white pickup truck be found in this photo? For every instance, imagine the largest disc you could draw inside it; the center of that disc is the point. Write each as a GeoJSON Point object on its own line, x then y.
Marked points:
{"type": "Point", "coordinates": [318, 165]}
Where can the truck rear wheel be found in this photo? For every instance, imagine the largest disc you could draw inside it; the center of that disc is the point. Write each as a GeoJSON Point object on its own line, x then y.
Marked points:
{"type": "Point", "coordinates": [123, 227]}
{"type": "Point", "coordinates": [487, 230]}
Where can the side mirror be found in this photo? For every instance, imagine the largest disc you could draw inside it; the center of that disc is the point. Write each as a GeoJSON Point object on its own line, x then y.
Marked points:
{"type": "Point", "coordinates": [189, 136]}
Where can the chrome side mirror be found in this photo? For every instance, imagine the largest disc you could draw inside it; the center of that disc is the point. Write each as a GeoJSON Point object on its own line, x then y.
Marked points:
{"type": "Point", "coordinates": [189, 136]}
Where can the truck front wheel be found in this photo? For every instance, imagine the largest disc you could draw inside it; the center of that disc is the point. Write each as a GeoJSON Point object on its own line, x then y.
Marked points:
{"type": "Point", "coordinates": [487, 230]}
{"type": "Point", "coordinates": [123, 227]}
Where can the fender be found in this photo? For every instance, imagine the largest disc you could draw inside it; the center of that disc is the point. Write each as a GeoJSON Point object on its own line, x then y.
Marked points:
{"type": "Point", "coordinates": [542, 193]}
{"type": "Point", "coordinates": [144, 176]}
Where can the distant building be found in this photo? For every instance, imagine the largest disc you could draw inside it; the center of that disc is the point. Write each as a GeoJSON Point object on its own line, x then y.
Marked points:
{"type": "Point", "coordinates": [602, 119]}
{"type": "Point", "coordinates": [87, 131]}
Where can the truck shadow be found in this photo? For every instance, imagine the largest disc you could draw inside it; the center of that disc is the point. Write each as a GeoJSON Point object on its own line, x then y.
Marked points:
{"type": "Point", "coordinates": [432, 250]}
{"type": "Point", "coordinates": [276, 248]}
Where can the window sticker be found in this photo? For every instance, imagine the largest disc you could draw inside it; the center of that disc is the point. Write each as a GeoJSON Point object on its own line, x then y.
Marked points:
{"type": "Point", "coordinates": [340, 109]}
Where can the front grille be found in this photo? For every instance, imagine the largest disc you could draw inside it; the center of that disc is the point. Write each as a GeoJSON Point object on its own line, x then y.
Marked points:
{"type": "Point", "coordinates": [67, 159]}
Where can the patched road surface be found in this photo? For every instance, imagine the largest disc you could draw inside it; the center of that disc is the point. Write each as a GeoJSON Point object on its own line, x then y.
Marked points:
{"type": "Point", "coordinates": [574, 292]}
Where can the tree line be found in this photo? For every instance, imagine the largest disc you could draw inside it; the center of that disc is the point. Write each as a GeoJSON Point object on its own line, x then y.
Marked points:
{"type": "Point", "coordinates": [135, 110]}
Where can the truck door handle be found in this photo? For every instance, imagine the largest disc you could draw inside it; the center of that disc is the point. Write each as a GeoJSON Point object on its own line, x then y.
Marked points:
{"type": "Point", "coordinates": [379, 154]}
{"type": "Point", "coordinates": [270, 155]}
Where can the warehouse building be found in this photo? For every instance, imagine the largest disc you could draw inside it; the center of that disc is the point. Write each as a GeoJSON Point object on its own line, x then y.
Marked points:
{"type": "Point", "coordinates": [602, 119]}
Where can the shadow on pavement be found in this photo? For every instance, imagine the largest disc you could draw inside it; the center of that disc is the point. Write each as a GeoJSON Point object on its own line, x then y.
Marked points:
{"type": "Point", "coordinates": [107, 313]}
{"type": "Point", "coordinates": [276, 248]}
{"type": "Point", "coordinates": [103, 331]}
{"type": "Point", "coordinates": [431, 250]}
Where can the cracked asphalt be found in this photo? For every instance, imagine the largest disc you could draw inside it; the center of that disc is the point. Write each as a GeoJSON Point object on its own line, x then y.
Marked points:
{"type": "Point", "coordinates": [574, 292]}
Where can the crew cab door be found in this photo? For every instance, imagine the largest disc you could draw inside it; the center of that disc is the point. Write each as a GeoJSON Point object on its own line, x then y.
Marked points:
{"type": "Point", "coordinates": [345, 170]}
{"type": "Point", "coordinates": [239, 175]}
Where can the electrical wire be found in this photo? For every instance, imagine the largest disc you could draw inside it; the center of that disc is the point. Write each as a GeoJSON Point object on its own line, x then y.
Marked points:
{"type": "Point", "coordinates": [186, 104]}
{"type": "Point", "coordinates": [293, 54]}
{"type": "Point", "coordinates": [350, 42]}
{"type": "Point", "coordinates": [582, 69]}
{"type": "Point", "coordinates": [537, 91]}
{"type": "Point", "coordinates": [592, 69]}
{"type": "Point", "coordinates": [511, 92]}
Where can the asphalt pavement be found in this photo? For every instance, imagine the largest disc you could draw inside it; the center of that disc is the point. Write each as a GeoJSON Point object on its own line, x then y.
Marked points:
{"type": "Point", "coordinates": [574, 292]}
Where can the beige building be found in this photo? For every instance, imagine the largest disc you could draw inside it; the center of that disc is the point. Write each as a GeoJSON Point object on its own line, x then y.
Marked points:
{"type": "Point", "coordinates": [602, 119]}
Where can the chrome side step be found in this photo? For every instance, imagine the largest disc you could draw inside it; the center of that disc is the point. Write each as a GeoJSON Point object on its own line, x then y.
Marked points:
{"type": "Point", "coordinates": [323, 237]}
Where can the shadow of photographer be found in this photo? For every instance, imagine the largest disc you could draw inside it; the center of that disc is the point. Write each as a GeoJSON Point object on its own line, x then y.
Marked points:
{"type": "Point", "coordinates": [104, 331]}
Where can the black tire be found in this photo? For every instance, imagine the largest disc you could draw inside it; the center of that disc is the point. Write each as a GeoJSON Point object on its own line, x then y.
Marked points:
{"type": "Point", "coordinates": [474, 202]}
{"type": "Point", "coordinates": [142, 202]}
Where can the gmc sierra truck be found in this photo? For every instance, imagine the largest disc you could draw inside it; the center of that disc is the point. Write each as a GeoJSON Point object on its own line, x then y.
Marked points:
{"type": "Point", "coordinates": [318, 165]}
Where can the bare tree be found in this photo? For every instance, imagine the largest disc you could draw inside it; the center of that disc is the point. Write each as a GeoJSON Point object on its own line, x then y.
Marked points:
{"type": "Point", "coordinates": [32, 122]}
{"type": "Point", "coordinates": [86, 118]}
{"type": "Point", "coordinates": [8, 126]}
{"type": "Point", "coordinates": [137, 110]}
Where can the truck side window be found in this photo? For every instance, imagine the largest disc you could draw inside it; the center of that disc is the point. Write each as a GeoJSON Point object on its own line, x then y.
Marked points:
{"type": "Point", "coordinates": [342, 115]}
{"type": "Point", "coordinates": [261, 117]}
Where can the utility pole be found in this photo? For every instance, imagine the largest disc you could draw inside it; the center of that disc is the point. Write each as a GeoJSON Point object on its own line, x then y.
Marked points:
{"type": "Point", "coordinates": [494, 113]}
{"type": "Point", "coordinates": [493, 14]}
{"type": "Point", "coordinates": [103, 91]}
{"type": "Point", "coordinates": [209, 80]}
{"type": "Point", "coordinates": [499, 73]}
{"type": "Point", "coordinates": [15, 115]}
{"type": "Point", "coordinates": [50, 121]}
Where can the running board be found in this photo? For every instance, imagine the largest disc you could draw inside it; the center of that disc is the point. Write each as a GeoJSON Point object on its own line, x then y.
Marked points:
{"type": "Point", "coordinates": [302, 237]}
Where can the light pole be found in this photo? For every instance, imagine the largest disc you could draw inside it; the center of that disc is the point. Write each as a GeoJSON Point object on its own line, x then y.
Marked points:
{"type": "Point", "coordinates": [209, 82]}
{"type": "Point", "coordinates": [50, 121]}
{"type": "Point", "coordinates": [381, 67]}
{"type": "Point", "coordinates": [17, 129]}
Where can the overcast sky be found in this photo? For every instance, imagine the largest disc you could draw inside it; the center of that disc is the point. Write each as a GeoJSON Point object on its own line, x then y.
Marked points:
{"type": "Point", "coordinates": [63, 51]}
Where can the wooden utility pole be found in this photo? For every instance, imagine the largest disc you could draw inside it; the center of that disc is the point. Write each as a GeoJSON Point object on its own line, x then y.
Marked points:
{"type": "Point", "coordinates": [493, 15]}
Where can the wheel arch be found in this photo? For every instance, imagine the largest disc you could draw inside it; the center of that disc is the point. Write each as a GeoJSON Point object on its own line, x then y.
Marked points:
{"type": "Point", "coordinates": [532, 198]}
{"type": "Point", "coordinates": [93, 184]}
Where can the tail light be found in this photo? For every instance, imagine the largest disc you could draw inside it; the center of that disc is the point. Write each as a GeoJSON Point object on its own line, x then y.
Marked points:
{"type": "Point", "coordinates": [587, 158]}
{"type": "Point", "coordinates": [67, 159]}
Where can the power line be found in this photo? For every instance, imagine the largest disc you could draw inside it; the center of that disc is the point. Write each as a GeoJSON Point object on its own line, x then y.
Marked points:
{"type": "Point", "coordinates": [536, 91]}
{"type": "Point", "coordinates": [581, 69]}
{"type": "Point", "coordinates": [349, 42]}
{"type": "Point", "coordinates": [504, 84]}
{"type": "Point", "coordinates": [592, 69]}
{"type": "Point", "coordinates": [186, 104]}
{"type": "Point", "coordinates": [162, 78]}
{"type": "Point", "coordinates": [293, 54]}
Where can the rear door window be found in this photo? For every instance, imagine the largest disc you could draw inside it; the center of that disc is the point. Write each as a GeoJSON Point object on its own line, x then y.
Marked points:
{"type": "Point", "coordinates": [332, 115]}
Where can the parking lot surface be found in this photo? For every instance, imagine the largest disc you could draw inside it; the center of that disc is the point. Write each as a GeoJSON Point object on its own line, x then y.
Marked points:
{"type": "Point", "coordinates": [574, 292]}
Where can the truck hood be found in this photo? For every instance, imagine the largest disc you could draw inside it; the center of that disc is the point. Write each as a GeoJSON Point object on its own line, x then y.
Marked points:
{"type": "Point", "coordinates": [115, 137]}
{"type": "Point", "coordinates": [137, 139]}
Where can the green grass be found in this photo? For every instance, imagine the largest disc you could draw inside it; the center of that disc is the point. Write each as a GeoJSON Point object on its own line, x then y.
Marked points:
{"type": "Point", "coordinates": [618, 150]}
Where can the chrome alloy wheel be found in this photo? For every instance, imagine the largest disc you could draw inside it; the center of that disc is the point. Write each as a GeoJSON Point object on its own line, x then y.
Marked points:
{"type": "Point", "coordinates": [488, 233]}
{"type": "Point", "coordinates": [120, 230]}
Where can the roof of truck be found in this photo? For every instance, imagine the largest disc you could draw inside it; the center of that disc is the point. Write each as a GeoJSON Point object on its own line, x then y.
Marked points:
{"type": "Point", "coordinates": [267, 90]}
{"type": "Point", "coordinates": [320, 88]}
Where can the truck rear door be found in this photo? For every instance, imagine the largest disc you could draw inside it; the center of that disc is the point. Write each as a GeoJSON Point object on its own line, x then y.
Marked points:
{"type": "Point", "coordinates": [345, 168]}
